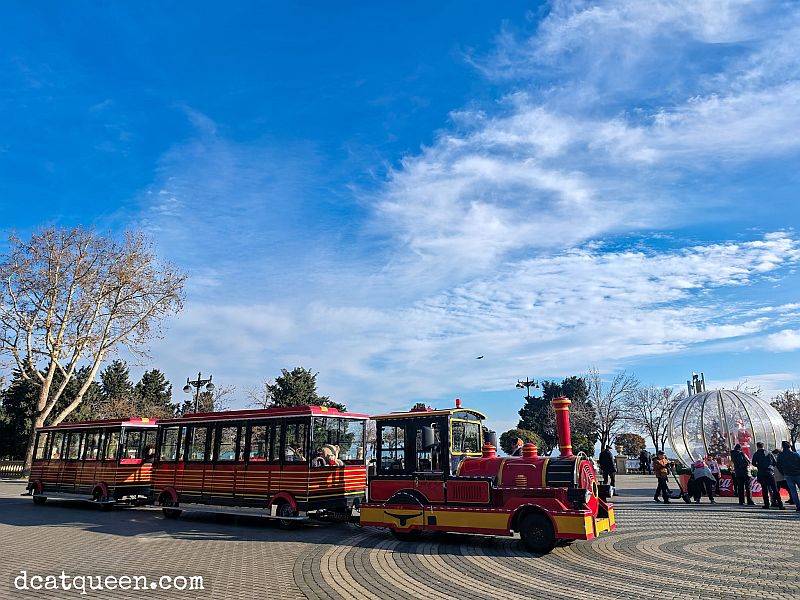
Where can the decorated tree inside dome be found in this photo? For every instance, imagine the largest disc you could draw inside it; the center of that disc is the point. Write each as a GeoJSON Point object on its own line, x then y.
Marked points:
{"type": "Point", "coordinates": [717, 448]}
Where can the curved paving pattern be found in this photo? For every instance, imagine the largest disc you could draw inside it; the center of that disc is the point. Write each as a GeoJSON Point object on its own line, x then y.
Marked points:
{"type": "Point", "coordinates": [676, 551]}
{"type": "Point", "coordinates": [662, 552]}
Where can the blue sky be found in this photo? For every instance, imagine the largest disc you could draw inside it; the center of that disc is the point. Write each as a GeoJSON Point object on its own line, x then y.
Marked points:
{"type": "Point", "coordinates": [383, 192]}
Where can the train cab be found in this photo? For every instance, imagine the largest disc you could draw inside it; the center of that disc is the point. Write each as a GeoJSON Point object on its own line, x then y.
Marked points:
{"type": "Point", "coordinates": [422, 450]}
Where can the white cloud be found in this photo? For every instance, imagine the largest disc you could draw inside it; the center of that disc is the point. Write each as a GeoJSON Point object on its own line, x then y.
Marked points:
{"type": "Point", "coordinates": [572, 154]}
{"type": "Point", "coordinates": [786, 340]}
{"type": "Point", "coordinates": [560, 313]}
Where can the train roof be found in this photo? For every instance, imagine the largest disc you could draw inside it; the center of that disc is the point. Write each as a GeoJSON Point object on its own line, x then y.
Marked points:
{"type": "Point", "coordinates": [130, 422]}
{"type": "Point", "coordinates": [263, 413]}
{"type": "Point", "coordinates": [429, 412]}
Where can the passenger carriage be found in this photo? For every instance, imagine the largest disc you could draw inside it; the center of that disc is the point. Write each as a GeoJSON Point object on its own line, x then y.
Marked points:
{"type": "Point", "coordinates": [104, 461]}
{"type": "Point", "coordinates": [437, 472]}
{"type": "Point", "coordinates": [286, 463]}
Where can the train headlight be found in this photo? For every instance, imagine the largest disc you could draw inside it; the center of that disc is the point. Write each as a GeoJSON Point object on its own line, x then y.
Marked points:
{"type": "Point", "coordinates": [579, 497]}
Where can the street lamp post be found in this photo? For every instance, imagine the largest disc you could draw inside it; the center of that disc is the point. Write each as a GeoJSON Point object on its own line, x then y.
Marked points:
{"type": "Point", "coordinates": [197, 384]}
{"type": "Point", "coordinates": [527, 385]}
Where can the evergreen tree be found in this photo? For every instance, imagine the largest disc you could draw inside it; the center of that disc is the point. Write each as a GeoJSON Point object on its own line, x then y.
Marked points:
{"type": "Point", "coordinates": [717, 448]}
{"type": "Point", "coordinates": [117, 398]}
{"type": "Point", "coordinates": [17, 403]}
{"type": "Point", "coordinates": [538, 415]}
{"type": "Point", "coordinates": [298, 388]}
{"type": "Point", "coordinates": [509, 438]}
{"type": "Point", "coordinates": [154, 395]}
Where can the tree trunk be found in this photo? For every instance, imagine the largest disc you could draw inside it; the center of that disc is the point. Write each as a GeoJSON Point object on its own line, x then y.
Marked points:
{"type": "Point", "coordinates": [38, 421]}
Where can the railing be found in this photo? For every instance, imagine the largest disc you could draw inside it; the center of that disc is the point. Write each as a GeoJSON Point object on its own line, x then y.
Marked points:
{"type": "Point", "coordinates": [11, 469]}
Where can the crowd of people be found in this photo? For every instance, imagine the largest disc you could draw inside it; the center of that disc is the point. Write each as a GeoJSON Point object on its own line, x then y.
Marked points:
{"type": "Point", "coordinates": [776, 470]}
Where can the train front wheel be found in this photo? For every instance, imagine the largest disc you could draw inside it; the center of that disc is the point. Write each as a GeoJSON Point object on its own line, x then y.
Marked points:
{"type": "Point", "coordinates": [537, 534]}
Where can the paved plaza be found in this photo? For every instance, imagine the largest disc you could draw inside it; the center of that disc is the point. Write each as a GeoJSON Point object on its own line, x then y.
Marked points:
{"type": "Point", "coordinates": [676, 551]}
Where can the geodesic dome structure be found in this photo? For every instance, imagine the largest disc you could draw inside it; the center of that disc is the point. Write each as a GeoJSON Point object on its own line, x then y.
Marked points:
{"type": "Point", "coordinates": [713, 422]}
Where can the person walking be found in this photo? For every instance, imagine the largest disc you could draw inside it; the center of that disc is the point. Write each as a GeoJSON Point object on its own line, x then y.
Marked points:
{"type": "Point", "coordinates": [703, 478]}
{"type": "Point", "coordinates": [608, 466]}
{"type": "Point", "coordinates": [741, 468]}
{"type": "Point", "coordinates": [789, 465]}
{"type": "Point", "coordinates": [766, 463]}
{"type": "Point", "coordinates": [661, 466]}
{"type": "Point", "coordinates": [780, 480]}
{"type": "Point", "coordinates": [713, 466]}
{"type": "Point", "coordinates": [644, 461]}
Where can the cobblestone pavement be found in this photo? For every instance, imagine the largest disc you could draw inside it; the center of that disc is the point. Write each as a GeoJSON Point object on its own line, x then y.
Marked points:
{"type": "Point", "coordinates": [676, 551]}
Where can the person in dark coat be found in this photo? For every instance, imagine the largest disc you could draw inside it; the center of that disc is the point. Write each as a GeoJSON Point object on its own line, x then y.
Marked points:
{"type": "Point", "coordinates": [741, 469]}
{"type": "Point", "coordinates": [766, 463]}
{"type": "Point", "coordinates": [645, 462]}
{"type": "Point", "coordinates": [789, 464]}
{"type": "Point", "coordinates": [608, 466]}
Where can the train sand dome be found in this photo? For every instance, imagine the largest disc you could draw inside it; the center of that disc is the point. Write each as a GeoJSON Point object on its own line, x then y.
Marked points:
{"type": "Point", "coordinates": [712, 422]}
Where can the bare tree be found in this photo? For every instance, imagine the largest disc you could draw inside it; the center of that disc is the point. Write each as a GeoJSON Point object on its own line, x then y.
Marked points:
{"type": "Point", "coordinates": [787, 403]}
{"type": "Point", "coordinates": [610, 401]}
{"type": "Point", "coordinates": [649, 409]}
{"type": "Point", "coordinates": [744, 386]}
{"type": "Point", "coordinates": [260, 397]}
{"type": "Point", "coordinates": [72, 296]}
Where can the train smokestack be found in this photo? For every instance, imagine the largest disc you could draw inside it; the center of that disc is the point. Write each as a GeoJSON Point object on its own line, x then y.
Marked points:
{"type": "Point", "coordinates": [561, 406]}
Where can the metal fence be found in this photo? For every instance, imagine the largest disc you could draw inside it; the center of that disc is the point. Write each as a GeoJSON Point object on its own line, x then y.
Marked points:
{"type": "Point", "coordinates": [11, 469]}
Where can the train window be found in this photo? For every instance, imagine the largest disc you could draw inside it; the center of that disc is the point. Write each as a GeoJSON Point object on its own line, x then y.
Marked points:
{"type": "Point", "coordinates": [74, 445]}
{"type": "Point", "coordinates": [295, 449]}
{"type": "Point", "coordinates": [55, 448]}
{"type": "Point", "coordinates": [133, 444]}
{"type": "Point", "coordinates": [259, 443]}
{"type": "Point", "coordinates": [275, 455]}
{"type": "Point", "coordinates": [149, 445]}
{"type": "Point", "coordinates": [112, 445]}
{"type": "Point", "coordinates": [465, 416]}
{"type": "Point", "coordinates": [466, 437]}
{"type": "Point", "coordinates": [392, 444]}
{"type": "Point", "coordinates": [93, 439]}
{"type": "Point", "coordinates": [228, 443]}
{"type": "Point", "coordinates": [41, 445]}
{"type": "Point", "coordinates": [169, 444]}
{"type": "Point", "coordinates": [429, 459]}
{"type": "Point", "coordinates": [346, 434]}
{"type": "Point", "coordinates": [196, 443]}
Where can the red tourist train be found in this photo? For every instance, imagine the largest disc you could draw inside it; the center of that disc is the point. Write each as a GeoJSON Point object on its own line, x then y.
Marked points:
{"type": "Point", "coordinates": [292, 463]}
{"type": "Point", "coordinates": [434, 471]}
{"type": "Point", "coordinates": [103, 461]}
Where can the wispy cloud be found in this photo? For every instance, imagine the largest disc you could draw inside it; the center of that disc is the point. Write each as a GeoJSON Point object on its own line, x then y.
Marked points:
{"type": "Point", "coordinates": [534, 231]}
{"type": "Point", "coordinates": [560, 313]}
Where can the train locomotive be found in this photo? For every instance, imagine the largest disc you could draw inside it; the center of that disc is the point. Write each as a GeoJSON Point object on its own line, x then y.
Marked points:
{"type": "Point", "coordinates": [435, 473]}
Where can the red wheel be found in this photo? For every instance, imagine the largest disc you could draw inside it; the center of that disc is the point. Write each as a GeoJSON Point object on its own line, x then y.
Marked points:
{"type": "Point", "coordinates": [285, 510]}
{"type": "Point", "coordinates": [166, 503]}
